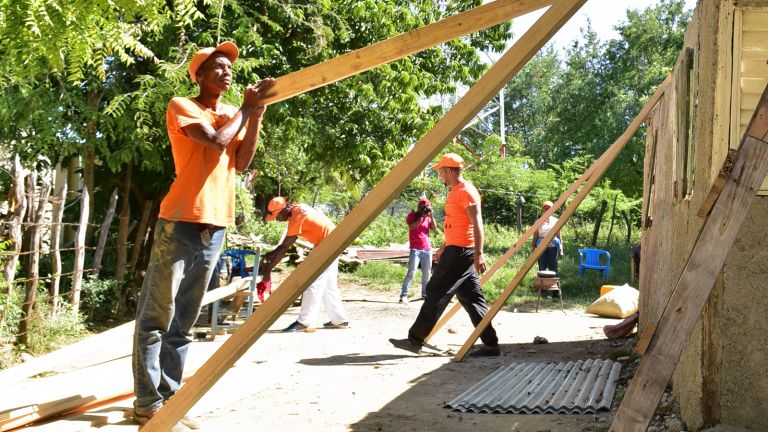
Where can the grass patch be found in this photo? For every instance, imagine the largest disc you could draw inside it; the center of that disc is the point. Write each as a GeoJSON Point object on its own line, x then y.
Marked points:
{"type": "Point", "coordinates": [381, 276]}
{"type": "Point", "coordinates": [578, 293]}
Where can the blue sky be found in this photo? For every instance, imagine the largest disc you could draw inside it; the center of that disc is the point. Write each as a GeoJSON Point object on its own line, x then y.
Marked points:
{"type": "Point", "coordinates": [604, 14]}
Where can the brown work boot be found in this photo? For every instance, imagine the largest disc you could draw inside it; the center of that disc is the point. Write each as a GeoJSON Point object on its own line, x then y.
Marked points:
{"type": "Point", "coordinates": [143, 418]}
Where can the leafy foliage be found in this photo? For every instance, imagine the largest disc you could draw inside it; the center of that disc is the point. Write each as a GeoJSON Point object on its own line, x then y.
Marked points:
{"type": "Point", "coordinates": [99, 299]}
{"type": "Point", "coordinates": [575, 107]}
{"type": "Point", "coordinates": [49, 329]}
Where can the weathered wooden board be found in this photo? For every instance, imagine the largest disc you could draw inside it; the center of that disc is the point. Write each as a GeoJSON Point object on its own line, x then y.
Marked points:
{"type": "Point", "coordinates": [699, 275]}
{"type": "Point", "coordinates": [401, 46]}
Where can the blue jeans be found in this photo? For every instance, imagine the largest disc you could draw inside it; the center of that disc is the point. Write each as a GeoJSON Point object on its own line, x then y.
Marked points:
{"type": "Point", "coordinates": [425, 257]}
{"type": "Point", "coordinates": [184, 255]}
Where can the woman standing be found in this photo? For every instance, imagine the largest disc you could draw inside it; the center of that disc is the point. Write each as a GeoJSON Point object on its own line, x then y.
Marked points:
{"type": "Point", "coordinates": [419, 223]}
{"type": "Point", "coordinates": [554, 251]}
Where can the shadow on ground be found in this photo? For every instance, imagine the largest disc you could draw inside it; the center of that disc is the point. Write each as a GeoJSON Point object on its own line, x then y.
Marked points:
{"type": "Point", "coordinates": [422, 407]}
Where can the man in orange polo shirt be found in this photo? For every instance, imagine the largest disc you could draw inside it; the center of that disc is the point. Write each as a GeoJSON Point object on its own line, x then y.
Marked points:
{"type": "Point", "coordinates": [313, 226]}
{"type": "Point", "coordinates": [460, 261]}
{"type": "Point", "coordinates": [210, 142]}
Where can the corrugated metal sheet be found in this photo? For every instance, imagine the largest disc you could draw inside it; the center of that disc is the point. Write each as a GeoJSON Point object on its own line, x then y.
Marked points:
{"type": "Point", "coordinates": [581, 387]}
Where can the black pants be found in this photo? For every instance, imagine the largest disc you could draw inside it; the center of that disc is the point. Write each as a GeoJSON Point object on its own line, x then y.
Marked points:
{"type": "Point", "coordinates": [548, 260]}
{"type": "Point", "coordinates": [455, 275]}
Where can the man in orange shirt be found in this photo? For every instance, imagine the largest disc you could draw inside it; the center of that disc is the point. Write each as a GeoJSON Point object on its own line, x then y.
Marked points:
{"type": "Point", "coordinates": [313, 226]}
{"type": "Point", "coordinates": [210, 142]}
{"type": "Point", "coordinates": [460, 261]}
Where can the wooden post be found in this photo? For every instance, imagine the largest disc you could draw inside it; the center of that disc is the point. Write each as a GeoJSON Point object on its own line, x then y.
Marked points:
{"type": "Point", "coordinates": [598, 222]}
{"type": "Point", "coordinates": [613, 219]}
{"type": "Point", "coordinates": [78, 267]}
{"type": "Point", "coordinates": [17, 209]}
{"type": "Point", "coordinates": [604, 162]}
{"type": "Point", "coordinates": [366, 211]}
{"type": "Point", "coordinates": [699, 275]}
{"type": "Point", "coordinates": [57, 216]}
{"type": "Point", "coordinates": [141, 233]}
{"type": "Point", "coordinates": [400, 46]}
{"type": "Point", "coordinates": [123, 224]}
{"type": "Point", "coordinates": [103, 232]}
{"type": "Point", "coordinates": [625, 216]}
{"type": "Point", "coordinates": [34, 260]}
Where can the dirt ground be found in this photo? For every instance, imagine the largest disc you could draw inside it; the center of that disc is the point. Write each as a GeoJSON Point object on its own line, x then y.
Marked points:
{"type": "Point", "coordinates": [354, 380]}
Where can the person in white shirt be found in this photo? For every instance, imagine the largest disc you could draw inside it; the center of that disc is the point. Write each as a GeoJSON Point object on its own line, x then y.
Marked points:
{"type": "Point", "coordinates": [554, 251]}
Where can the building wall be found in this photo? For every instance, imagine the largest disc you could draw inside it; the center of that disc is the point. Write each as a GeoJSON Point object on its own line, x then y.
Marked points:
{"type": "Point", "coordinates": [744, 325]}
{"type": "Point", "coordinates": [719, 377]}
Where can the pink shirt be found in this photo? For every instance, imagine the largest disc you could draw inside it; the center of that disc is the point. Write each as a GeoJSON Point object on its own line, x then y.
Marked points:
{"type": "Point", "coordinates": [418, 236]}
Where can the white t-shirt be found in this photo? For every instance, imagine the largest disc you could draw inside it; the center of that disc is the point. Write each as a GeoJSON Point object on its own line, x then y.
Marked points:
{"type": "Point", "coordinates": [544, 230]}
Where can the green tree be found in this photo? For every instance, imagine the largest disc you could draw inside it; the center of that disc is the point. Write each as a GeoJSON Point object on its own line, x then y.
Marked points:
{"type": "Point", "coordinates": [576, 107]}
{"type": "Point", "coordinates": [91, 77]}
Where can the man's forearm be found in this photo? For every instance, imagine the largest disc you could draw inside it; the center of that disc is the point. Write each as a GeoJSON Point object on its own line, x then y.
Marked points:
{"type": "Point", "coordinates": [479, 239]}
{"type": "Point", "coordinates": [247, 149]}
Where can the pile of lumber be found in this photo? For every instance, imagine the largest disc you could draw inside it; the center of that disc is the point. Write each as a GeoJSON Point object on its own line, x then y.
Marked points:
{"type": "Point", "coordinates": [91, 373]}
{"type": "Point", "coordinates": [394, 252]}
{"type": "Point", "coordinates": [354, 256]}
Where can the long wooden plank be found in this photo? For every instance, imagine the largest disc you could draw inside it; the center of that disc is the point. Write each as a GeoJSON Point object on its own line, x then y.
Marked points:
{"type": "Point", "coordinates": [605, 161]}
{"type": "Point", "coordinates": [400, 46]}
{"type": "Point", "coordinates": [365, 212]}
{"type": "Point", "coordinates": [699, 275]}
{"type": "Point", "coordinates": [520, 241]}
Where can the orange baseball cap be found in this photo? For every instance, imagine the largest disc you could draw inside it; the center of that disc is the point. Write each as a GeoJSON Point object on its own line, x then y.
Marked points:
{"type": "Point", "coordinates": [547, 204]}
{"type": "Point", "coordinates": [450, 160]}
{"type": "Point", "coordinates": [274, 207]}
{"type": "Point", "coordinates": [228, 48]}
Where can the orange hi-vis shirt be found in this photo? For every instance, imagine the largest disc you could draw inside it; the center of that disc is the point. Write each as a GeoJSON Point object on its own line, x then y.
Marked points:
{"type": "Point", "coordinates": [204, 188]}
{"type": "Point", "coordinates": [309, 223]}
{"type": "Point", "coordinates": [458, 228]}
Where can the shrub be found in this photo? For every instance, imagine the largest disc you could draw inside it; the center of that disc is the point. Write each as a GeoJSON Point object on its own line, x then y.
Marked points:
{"type": "Point", "coordinates": [10, 313]}
{"type": "Point", "coordinates": [49, 330]}
{"type": "Point", "coordinates": [99, 299]}
{"type": "Point", "coordinates": [384, 230]}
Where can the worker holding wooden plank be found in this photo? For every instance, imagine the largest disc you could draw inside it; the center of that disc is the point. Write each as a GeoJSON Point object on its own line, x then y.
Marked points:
{"type": "Point", "coordinates": [459, 262]}
{"type": "Point", "coordinates": [313, 226]}
{"type": "Point", "coordinates": [210, 142]}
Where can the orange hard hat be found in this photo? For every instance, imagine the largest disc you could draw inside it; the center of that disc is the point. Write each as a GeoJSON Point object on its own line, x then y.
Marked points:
{"type": "Point", "coordinates": [275, 206]}
{"type": "Point", "coordinates": [450, 160]}
{"type": "Point", "coordinates": [227, 48]}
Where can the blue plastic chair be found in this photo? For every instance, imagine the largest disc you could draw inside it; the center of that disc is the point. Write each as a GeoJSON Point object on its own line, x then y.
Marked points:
{"type": "Point", "coordinates": [590, 259]}
{"type": "Point", "coordinates": [238, 258]}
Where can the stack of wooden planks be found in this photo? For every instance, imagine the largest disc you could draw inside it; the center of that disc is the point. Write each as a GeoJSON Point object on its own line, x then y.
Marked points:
{"type": "Point", "coordinates": [89, 374]}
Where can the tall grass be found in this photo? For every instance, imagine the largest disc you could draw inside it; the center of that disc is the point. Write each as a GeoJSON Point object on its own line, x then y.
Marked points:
{"type": "Point", "coordinates": [48, 329]}
{"type": "Point", "coordinates": [381, 276]}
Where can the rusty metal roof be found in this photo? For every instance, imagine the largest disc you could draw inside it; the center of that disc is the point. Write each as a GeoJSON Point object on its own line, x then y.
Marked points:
{"type": "Point", "coordinates": [581, 387]}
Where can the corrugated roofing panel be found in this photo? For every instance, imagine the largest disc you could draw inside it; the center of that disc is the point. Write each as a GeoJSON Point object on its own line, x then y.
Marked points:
{"type": "Point", "coordinates": [581, 387]}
